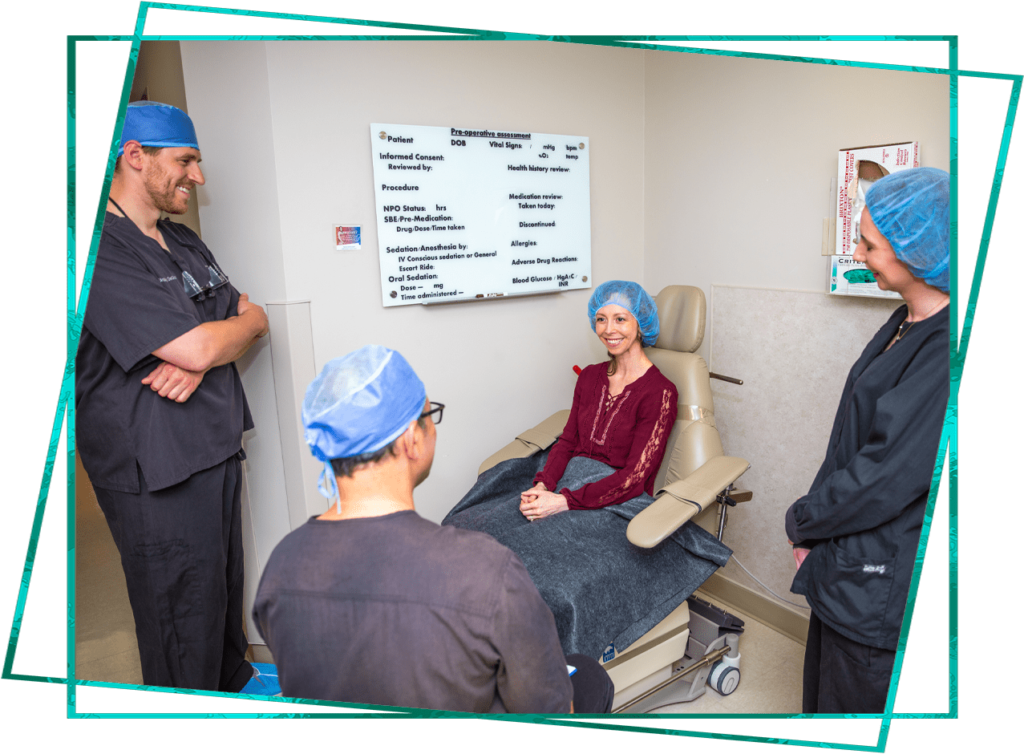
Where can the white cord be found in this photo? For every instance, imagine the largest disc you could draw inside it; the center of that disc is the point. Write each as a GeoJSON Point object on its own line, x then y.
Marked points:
{"type": "Point", "coordinates": [766, 588]}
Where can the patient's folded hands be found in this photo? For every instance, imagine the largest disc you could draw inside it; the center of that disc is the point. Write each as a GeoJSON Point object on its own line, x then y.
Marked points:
{"type": "Point", "coordinates": [539, 503]}
{"type": "Point", "coordinates": [531, 494]}
{"type": "Point", "coordinates": [535, 490]}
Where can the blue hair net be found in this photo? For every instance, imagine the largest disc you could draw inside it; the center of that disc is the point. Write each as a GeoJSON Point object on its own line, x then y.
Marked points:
{"type": "Point", "coordinates": [154, 124]}
{"type": "Point", "coordinates": [358, 404]}
{"type": "Point", "coordinates": [633, 298]}
{"type": "Point", "coordinates": [911, 209]}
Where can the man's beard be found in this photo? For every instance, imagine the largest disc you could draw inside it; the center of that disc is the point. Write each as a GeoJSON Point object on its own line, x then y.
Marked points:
{"type": "Point", "coordinates": [164, 198]}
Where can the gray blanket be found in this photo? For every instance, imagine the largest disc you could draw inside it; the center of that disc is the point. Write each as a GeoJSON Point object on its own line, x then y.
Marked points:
{"type": "Point", "coordinates": [601, 588]}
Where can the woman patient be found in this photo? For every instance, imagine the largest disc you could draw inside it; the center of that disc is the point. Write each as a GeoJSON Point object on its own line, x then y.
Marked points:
{"type": "Point", "coordinates": [622, 410]}
{"type": "Point", "coordinates": [569, 527]}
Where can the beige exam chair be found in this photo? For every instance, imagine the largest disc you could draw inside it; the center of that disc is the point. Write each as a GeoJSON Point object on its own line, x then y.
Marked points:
{"type": "Point", "coordinates": [698, 642]}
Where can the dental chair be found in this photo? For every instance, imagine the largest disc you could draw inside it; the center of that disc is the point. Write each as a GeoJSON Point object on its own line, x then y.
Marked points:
{"type": "Point", "coordinates": [698, 643]}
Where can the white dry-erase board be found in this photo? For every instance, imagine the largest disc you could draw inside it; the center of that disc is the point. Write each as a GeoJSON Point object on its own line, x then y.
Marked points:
{"type": "Point", "coordinates": [466, 214]}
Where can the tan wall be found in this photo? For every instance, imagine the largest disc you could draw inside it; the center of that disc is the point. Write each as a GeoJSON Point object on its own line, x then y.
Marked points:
{"type": "Point", "coordinates": [704, 170]}
{"type": "Point", "coordinates": [158, 75]}
{"type": "Point", "coordinates": [739, 154]}
{"type": "Point", "coordinates": [286, 131]}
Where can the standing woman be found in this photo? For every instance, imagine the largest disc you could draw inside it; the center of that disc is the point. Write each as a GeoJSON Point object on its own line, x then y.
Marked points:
{"type": "Point", "coordinates": [855, 534]}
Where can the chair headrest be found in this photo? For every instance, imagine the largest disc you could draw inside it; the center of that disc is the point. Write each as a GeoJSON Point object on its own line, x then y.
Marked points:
{"type": "Point", "coordinates": [681, 312]}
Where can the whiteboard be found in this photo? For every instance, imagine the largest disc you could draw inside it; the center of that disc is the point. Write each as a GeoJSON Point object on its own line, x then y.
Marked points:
{"type": "Point", "coordinates": [469, 214]}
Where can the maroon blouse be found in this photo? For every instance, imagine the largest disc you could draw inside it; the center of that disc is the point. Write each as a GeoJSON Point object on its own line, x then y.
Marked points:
{"type": "Point", "coordinates": [629, 432]}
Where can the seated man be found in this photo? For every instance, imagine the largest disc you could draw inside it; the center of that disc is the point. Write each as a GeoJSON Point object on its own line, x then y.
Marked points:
{"type": "Point", "coordinates": [371, 603]}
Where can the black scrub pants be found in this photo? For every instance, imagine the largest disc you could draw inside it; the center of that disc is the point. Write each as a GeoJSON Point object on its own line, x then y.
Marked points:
{"type": "Point", "coordinates": [592, 688]}
{"type": "Point", "coordinates": [181, 550]}
{"type": "Point", "coordinates": [842, 675]}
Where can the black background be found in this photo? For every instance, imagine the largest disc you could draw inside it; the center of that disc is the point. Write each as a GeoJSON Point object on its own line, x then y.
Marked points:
{"type": "Point", "coordinates": [100, 68]}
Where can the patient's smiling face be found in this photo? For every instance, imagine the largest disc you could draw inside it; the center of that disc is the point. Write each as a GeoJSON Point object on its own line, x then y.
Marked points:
{"type": "Point", "coordinates": [617, 328]}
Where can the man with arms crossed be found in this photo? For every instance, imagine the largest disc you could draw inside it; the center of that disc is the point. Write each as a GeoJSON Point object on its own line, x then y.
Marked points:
{"type": "Point", "coordinates": [161, 410]}
{"type": "Point", "coordinates": [371, 603]}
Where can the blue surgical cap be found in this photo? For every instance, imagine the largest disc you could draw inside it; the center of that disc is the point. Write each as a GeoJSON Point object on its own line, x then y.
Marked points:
{"type": "Point", "coordinates": [154, 124]}
{"type": "Point", "coordinates": [358, 404]}
{"type": "Point", "coordinates": [634, 299]}
{"type": "Point", "coordinates": [911, 209]}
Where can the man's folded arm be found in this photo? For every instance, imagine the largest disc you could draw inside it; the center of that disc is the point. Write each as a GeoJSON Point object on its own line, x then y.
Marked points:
{"type": "Point", "coordinates": [213, 344]}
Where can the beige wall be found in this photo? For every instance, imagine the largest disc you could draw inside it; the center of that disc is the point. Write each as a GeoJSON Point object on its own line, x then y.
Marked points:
{"type": "Point", "coordinates": [704, 170]}
{"type": "Point", "coordinates": [739, 154]}
{"type": "Point", "coordinates": [158, 76]}
{"type": "Point", "coordinates": [286, 147]}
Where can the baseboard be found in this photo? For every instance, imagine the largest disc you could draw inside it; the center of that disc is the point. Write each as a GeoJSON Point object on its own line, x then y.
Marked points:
{"type": "Point", "coordinates": [728, 593]}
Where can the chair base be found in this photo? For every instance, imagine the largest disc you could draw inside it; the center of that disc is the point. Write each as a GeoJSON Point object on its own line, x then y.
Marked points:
{"type": "Point", "coordinates": [696, 645]}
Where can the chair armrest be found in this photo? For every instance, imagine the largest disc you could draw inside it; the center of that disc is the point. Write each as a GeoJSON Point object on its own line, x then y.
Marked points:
{"type": "Point", "coordinates": [531, 441]}
{"type": "Point", "coordinates": [680, 501]}
{"type": "Point", "coordinates": [741, 496]}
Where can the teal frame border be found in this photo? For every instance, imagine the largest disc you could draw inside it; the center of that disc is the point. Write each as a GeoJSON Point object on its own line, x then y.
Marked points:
{"type": "Point", "coordinates": [958, 353]}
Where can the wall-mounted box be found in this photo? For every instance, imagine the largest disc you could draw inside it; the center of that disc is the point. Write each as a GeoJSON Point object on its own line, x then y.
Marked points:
{"type": "Point", "coordinates": [850, 278]}
{"type": "Point", "coordinates": [861, 166]}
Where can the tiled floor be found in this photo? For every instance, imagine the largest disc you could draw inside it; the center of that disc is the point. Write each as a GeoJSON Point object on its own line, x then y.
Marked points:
{"type": "Point", "coordinates": [105, 646]}
{"type": "Point", "coordinates": [770, 665]}
{"type": "Point", "coordinates": [771, 669]}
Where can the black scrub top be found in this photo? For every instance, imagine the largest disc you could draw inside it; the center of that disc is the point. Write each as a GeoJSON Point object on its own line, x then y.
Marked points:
{"type": "Point", "coordinates": [862, 516]}
{"type": "Point", "coordinates": [136, 304]}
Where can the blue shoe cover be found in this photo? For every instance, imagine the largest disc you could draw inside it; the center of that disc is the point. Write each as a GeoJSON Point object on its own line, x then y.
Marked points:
{"type": "Point", "coordinates": [264, 680]}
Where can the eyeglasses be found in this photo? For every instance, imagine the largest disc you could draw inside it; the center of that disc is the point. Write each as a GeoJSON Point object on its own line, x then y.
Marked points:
{"type": "Point", "coordinates": [435, 408]}
{"type": "Point", "coordinates": [194, 291]}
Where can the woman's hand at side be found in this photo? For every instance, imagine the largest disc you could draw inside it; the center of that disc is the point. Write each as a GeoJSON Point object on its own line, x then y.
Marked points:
{"type": "Point", "coordinates": [799, 555]}
{"type": "Point", "coordinates": [542, 504]}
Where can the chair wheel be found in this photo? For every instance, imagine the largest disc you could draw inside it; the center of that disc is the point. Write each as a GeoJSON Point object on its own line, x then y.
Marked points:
{"type": "Point", "coordinates": [724, 678]}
